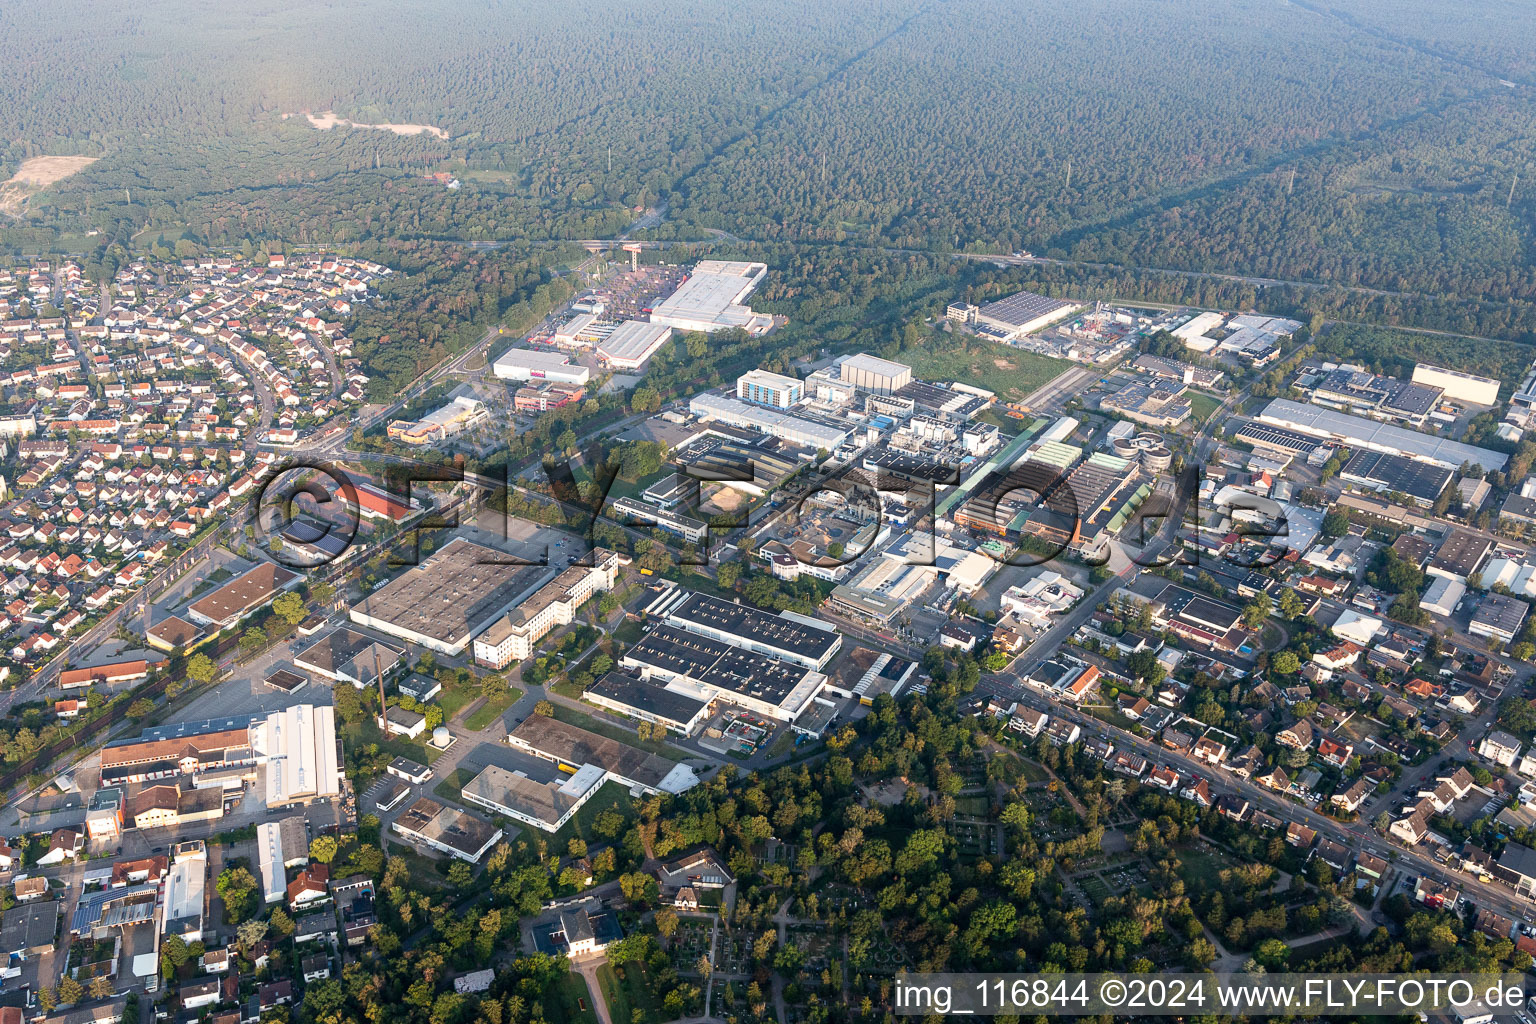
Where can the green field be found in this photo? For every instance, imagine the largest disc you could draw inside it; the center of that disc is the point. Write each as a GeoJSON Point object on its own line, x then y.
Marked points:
{"type": "Point", "coordinates": [1011, 372]}
{"type": "Point", "coordinates": [486, 714]}
{"type": "Point", "coordinates": [611, 797]}
{"type": "Point", "coordinates": [1202, 405]}
{"type": "Point", "coordinates": [627, 994]}
{"type": "Point", "coordinates": [562, 1003]}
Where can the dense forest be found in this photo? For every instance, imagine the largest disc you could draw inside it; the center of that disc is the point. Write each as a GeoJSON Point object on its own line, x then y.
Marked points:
{"type": "Point", "coordinates": [1382, 146]}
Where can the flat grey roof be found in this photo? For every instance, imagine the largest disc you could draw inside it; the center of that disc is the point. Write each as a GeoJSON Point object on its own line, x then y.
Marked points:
{"type": "Point", "coordinates": [453, 594]}
{"type": "Point", "coordinates": [1321, 422]}
{"type": "Point", "coordinates": [644, 695]}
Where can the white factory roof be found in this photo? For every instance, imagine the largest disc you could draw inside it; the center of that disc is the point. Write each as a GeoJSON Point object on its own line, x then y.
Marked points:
{"type": "Point", "coordinates": [270, 860]}
{"type": "Point", "coordinates": [633, 341]}
{"type": "Point", "coordinates": [711, 298]}
{"type": "Point", "coordinates": [185, 883]}
{"type": "Point", "coordinates": [711, 406]}
{"type": "Point", "coordinates": [1382, 437]}
{"type": "Point", "coordinates": [299, 745]}
{"type": "Point", "coordinates": [533, 359]}
{"type": "Point", "coordinates": [876, 365]}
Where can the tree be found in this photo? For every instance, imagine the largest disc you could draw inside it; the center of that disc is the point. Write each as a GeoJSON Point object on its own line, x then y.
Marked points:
{"type": "Point", "coordinates": [1291, 606]}
{"type": "Point", "coordinates": [70, 990]}
{"type": "Point", "coordinates": [666, 922]}
{"type": "Point", "coordinates": [200, 668]}
{"type": "Point", "coordinates": [1286, 663]}
{"type": "Point", "coordinates": [323, 849]}
{"type": "Point", "coordinates": [545, 709]}
{"type": "Point", "coordinates": [251, 932]}
{"type": "Point", "coordinates": [141, 708]}
{"type": "Point", "coordinates": [638, 887]}
{"type": "Point", "coordinates": [237, 887]}
{"type": "Point", "coordinates": [322, 593]}
{"type": "Point", "coordinates": [101, 987]}
{"type": "Point", "coordinates": [290, 607]}
{"type": "Point", "coordinates": [1335, 523]}
{"type": "Point", "coordinates": [281, 923]}
{"type": "Point", "coordinates": [253, 640]}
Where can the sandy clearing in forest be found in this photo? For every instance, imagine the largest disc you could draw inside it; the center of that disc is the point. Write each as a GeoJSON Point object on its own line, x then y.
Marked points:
{"type": "Point", "coordinates": [327, 119]}
{"type": "Point", "coordinates": [36, 174]}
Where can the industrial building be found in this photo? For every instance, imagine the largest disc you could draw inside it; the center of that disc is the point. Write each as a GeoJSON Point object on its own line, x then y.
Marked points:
{"type": "Point", "coordinates": [513, 636]}
{"type": "Point", "coordinates": [446, 829]}
{"type": "Point", "coordinates": [179, 750]}
{"type": "Point", "coordinates": [1380, 471]}
{"type": "Point", "coordinates": [1155, 404]}
{"type": "Point", "coordinates": [712, 406]}
{"type": "Point", "coordinates": [1462, 387]}
{"type": "Point", "coordinates": [1012, 318]}
{"type": "Point", "coordinates": [1369, 394]}
{"type": "Point", "coordinates": [1499, 616]}
{"type": "Point", "coordinates": [449, 599]}
{"type": "Point", "coordinates": [1358, 432]}
{"type": "Point", "coordinates": [688, 528]}
{"type": "Point", "coordinates": [801, 641]}
{"type": "Point", "coordinates": [873, 374]}
{"type": "Point", "coordinates": [760, 387]}
{"type": "Point", "coordinates": [705, 670]}
{"type": "Point", "coordinates": [1459, 555]}
{"type": "Point", "coordinates": [184, 899]}
{"type": "Point", "coordinates": [535, 792]}
{"type": "Point", "coordinates": [346, 656]}
{"type": "Point", "coordinates": [573, 748]}
{"type": "Point", "coordinates": [712, 299]}
{"type": "Point", "coordinates": [632, 344]}
{"type": "Point", "coordinates": [531, 364]}
{"type": "Point", "coordinates": [649, 701]}
{"type": "Point", "coordinates": [298, 747]}
{"type": "Point", "coordinates": [1442, 595]}
{"type": "Point", "coordinates": [241, 596]}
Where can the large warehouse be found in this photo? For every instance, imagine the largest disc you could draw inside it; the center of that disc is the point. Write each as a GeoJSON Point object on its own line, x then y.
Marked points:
{"type": "Point", "coordinates": [779, 636]}
{"type": "Point", "coordinates": [794, 429]}
{"type": "Point", "coordinates": [1022, 314]}
{"type": "Point", "coordinates": [241, 596]}
{"type": "Point", "coordinates": [1463, 387]}
{"type": "Point", "coordinates": [1358, 432]}
{"type": "Point", "coordinates": [712, 299]}
{"type": "Point", "coordinates": [704, 670]}
{"type": "Point", "coordinates": [451, 598]}
{"type": "Point", "coordinates": [873, 374]}
{"type": "Point", "coordinates": [531, 364]}
{"type": "Point", "coordinates": [1379, 471]}
{"type": "Point", "coordinates": [632, 344]}
{"type": "Point", "coordinates": [298, 745]}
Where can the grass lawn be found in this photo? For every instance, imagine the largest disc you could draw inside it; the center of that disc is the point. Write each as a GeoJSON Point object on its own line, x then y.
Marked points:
{"type": "Point", "coordinates": [627, 994]}
{"type": "Point", "coordinates": [356, 734]}
{"type": "Point", "coordinates": [1110, 715]}
{"type": "Point", "coordinates": [1034, 773]}
{"type": "Point", "coordinates": [449, 786]}
{"type": "Point", "coordinates": [1011, 372]}
{"type": "Point", "coordinates": [566, 688]}
{"type": "Point", "coordinates": [783, 743]}
{"type": "Point", "coordinates": [1202, 405]}
{"type": "Point", "coordinates": [486, 714]}
{"type": "Point", "coordinates": [570, 716]}
{"type": "Point", "coordinates": [611, 797]}
{"type": "Point", "coordinates": [973, 805]}
{"type": "Point", "coordinates": [629, 632]}
{"type": "Point", "coordinates": [454, 699]}
{"type": "Point", "coordinates": [1205, 868]}
{"type": "Point", "coordinates": [563, 1003]}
